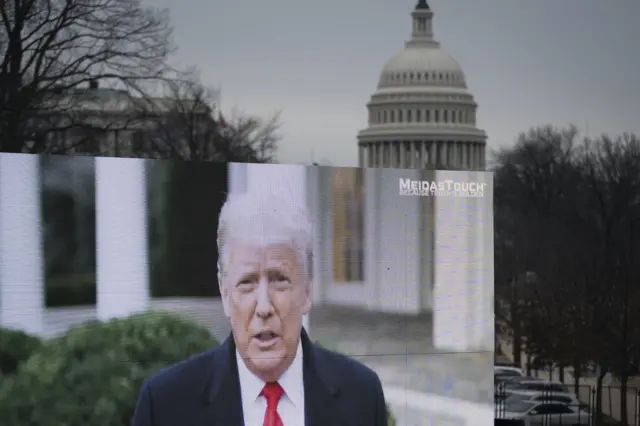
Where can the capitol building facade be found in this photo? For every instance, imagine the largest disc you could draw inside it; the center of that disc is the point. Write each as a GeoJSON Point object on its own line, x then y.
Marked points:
{"type": "Point", "coordinates": [422, 114]}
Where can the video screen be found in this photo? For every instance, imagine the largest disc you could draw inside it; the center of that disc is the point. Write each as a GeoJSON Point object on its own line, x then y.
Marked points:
{"type": "Point", "coordinates": [156, 293]}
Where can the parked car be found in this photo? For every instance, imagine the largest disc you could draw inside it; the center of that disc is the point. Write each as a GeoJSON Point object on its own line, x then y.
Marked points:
{"type": "Point", "coordinates": [534, 387]}
{"type": "Point", "coordinates": [515, 380]}
{"type": "Point", "coordinates": [504, 385]}
{"type": "Point", "coordinates": [541, 413]}
{"type": "Point", "coordinates": [510, 370]}
{"type": "Point", "coordinates": [503, 379]}
{"type": "Point", "coordinates": [561, 398]}
{"type": "Point", "coordinates": [504, 373]}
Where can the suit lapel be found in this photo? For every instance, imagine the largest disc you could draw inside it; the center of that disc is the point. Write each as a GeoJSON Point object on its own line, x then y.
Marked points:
{"type": "Point", "coordinates": [321, 388]}
{"type": "Point", "coordinates": [221, 401]}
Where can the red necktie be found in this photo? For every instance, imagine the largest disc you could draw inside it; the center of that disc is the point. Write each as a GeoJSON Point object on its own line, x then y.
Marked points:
{"type": "Point", "coordinates": [272, 392]}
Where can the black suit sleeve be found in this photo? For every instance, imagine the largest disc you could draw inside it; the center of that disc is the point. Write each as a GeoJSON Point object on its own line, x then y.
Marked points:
{"type": "Point", "coordinates": [143, 415]}
{"type": "Point", "coordinates": [381, 417]}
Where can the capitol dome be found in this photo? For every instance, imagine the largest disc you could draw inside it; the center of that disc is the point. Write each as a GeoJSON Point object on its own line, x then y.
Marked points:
{"type": "Point", "coordinates": [422, 114]}
{"type": "Point", "coordinates": [419, 59]}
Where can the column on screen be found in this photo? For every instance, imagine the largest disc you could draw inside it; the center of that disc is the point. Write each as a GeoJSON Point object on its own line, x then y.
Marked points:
{"type": "Point", "coordinates": [237, 177]}
{"type": "Point", "coordinates": [393, 270]}
{"type": "Point", "coordinates": [461, 311]}
{"type": "Point", "coordinates": [487, 271]}
{"type": "Point", "coordinates": [21, 257]}
{"type": "Point", "coordinates": [121, 237]}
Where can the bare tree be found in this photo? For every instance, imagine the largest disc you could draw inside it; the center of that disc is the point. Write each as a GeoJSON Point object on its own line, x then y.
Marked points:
{"type": "Point", "coordinates": [611, 176]}
{"type": "Point", "coordinates": [187, 128]}
{"type": "Point", "coordinates": [524, 198]}
{"type": "Point", "coordinates": [49, 49]}
{"type": "Point", "coordinates": [573, 214]}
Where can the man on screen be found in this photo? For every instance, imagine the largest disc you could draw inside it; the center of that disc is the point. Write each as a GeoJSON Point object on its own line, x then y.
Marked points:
{"type": "Point", "coordinates": [267, 372]}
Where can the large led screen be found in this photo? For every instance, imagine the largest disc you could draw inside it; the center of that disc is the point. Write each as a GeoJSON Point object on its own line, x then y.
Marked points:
{"type": "Point", "coordinates": [174, 293]}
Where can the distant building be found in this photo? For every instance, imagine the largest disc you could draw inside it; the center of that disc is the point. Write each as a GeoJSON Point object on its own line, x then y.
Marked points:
{"type": "Point", "coordinates": [422, 114]}
{"type": "Point", "coordinates": [110, 122]}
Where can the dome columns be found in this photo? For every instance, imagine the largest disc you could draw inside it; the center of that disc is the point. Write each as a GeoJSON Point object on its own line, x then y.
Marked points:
{"type": "Point", "coordinates": [417, 154]}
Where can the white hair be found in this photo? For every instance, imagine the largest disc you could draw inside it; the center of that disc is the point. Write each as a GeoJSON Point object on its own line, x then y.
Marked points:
{"type": "Point", "coordinates": [264, 219]}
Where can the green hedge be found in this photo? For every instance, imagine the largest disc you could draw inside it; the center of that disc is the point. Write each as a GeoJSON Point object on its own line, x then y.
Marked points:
{"type": "Point", "coordinates": [92, 374]}
{"type": "Point", "coordinates": [15, 347]}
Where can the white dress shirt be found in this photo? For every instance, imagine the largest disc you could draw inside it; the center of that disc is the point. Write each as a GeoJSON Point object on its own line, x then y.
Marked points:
{"type": "Point", "coordinates": [291, 406]}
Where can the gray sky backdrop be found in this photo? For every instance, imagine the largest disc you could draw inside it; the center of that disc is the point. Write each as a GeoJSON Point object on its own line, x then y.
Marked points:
{"type": "Point", "coordinates": [527, 62]}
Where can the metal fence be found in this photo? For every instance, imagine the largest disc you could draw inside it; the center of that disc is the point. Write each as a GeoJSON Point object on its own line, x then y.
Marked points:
{"type": "Point", "coordinates": [509, 405]}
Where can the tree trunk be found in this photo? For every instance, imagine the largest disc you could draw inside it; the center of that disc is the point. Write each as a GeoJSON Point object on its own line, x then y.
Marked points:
{"type": "Point", "coordinates": [577, 372]}
{"type": "Point", "coordinates": [624, 389]}
{"type": "Point", "coordinates": [561, 373]}
{"type": "Point", "coordinates": [598, 402]}
{"type": "Point", "coordinates": [517, 346]}
{"type": "Point", "coordinates": [516, 324]}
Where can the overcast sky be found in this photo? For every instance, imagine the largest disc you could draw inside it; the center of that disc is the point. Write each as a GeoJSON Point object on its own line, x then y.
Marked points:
{"type": "Point", "coordinates": [526, 62]}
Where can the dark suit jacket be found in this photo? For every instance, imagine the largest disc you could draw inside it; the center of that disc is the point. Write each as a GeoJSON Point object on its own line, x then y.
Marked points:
{"type": "Point", "coordinates": [205, 391]}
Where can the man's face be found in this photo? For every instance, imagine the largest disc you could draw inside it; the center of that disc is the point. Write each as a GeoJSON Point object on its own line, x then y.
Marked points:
{"type": "Point", "coordinates": [266, 293]}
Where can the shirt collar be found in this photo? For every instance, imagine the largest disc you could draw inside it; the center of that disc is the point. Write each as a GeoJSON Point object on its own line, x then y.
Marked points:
{"type": "Point", "coordinates": [291, 381]}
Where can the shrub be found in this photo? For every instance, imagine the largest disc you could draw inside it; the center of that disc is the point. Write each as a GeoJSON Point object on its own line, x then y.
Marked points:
{"type": "Point", "coordinates": [93, 373]}
{"type": "Point", "coordinates": [15, 347]}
